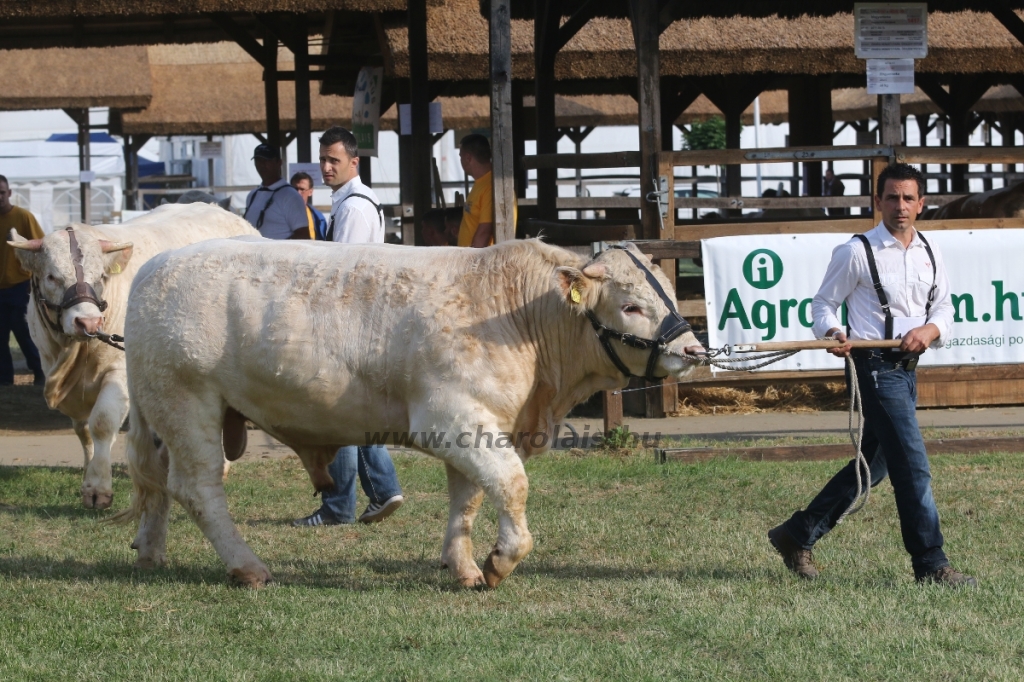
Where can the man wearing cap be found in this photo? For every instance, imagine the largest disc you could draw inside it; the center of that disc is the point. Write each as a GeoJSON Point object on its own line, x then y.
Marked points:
{"type": "Point", "coordinates": [275, 208]}
{"type": "Point", "coordinates": [356, 218]}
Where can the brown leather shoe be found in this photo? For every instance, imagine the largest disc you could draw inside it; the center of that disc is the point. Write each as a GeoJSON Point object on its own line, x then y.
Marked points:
{"type": "Point", "coordinates": [796, 558]}
{"type": "Point", "coordinates": [947, 576]}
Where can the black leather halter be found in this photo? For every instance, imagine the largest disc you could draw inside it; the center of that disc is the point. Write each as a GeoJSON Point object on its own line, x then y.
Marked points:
{"type": "Point", "coordinates": [672, 327]}
{"type": "Point", "coordinates": [77, 293]}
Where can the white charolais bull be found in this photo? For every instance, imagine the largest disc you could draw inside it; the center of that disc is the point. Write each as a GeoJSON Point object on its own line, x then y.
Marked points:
{"type": "Point", "coordinates": [85, 379]}
{"type": "Point", "coordinates": [321, 343]}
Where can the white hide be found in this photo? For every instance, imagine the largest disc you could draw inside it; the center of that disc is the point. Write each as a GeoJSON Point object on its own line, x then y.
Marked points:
{"type": "Point", "coordinates": [321, 343]}
{"type": "Point", "coordinates": [85, 379]}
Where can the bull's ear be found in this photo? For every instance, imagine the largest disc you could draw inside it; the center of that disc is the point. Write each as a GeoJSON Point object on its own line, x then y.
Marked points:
{"type": "Point", "coordinates": [115, 256]}
{"type": "Point", "coordinates": [576, 288]}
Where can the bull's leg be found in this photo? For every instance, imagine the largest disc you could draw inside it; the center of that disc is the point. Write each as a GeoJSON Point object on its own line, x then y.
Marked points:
{"type": "Point", "coordinates": [150, 473]}
{"type": "Point", "coordinates": [104, 422]}
{"type": "Point", "coordinates": [195, 479]}
{"type": "Point", "coordinates": [85, 438]}
{"type": "Point", "coordinates": [464, 499]}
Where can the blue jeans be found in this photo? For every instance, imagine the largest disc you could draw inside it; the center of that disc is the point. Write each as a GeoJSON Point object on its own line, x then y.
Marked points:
{"type": "Point", "coordinates": [376, 474]}
{"type": "Point", "coordinates": [893, 446]}
{"type": "Point", "coordinates": [13, 308]}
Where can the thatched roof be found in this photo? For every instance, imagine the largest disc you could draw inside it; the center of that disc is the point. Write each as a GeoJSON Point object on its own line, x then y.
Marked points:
{"type": "Point", "coordinates": [959, 42]}
{"type": "Point", "coordinates": [91, 77]}
{"type": "Point", "coordinates": [115, 8]}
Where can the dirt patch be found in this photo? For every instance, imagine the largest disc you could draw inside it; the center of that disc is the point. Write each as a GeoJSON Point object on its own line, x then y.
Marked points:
{"type": "Point", "coordinates": [23, 410]}
{"type": "Point", "coordinates": [789, 398]}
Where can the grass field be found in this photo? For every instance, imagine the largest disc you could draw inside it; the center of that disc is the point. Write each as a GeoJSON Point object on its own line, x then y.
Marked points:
{"type": "Point", "coordinates": [639, 571]}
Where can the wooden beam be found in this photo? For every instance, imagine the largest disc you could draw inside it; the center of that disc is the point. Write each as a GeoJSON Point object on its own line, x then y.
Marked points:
{"type": "Point", "coordinates": [303, 113]}
{"type": "Point", "coordinates": [547, 15]}
{"type": "Point", "coordinates": [422, 149]}
{"type": "Point", "coordinates": [240, 36]}
{"type": "Point", "coordinates": [273, 112]}
{"type": "Point", "coordinates": [890, 131]}
{"type": "Point", "coordinates": [604, 160]}
{"type": "Point", "coordinates": [1008, 18]}
{"type": "Point", "coordinates": [501, 121]}
{"type": "Point", "coordinates": [587, 11]}
{"type": "Point", "coordinates": [644, 20]}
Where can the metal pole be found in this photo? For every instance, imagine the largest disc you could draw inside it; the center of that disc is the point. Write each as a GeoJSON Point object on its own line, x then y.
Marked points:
{"type": "Point", "coordinates": [84, 165]}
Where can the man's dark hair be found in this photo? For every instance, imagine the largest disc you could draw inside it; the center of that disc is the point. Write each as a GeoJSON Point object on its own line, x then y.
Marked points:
{"type": "Point", "coordinates": [901, 171]}
{"type": "Point", "coordinates": [3, 179]}
{"type": "Point", "coordinates": [338, 134]}
{"type": "Point", "coordinates": [477, 146]}
{"type": "Point", "coordinates": [299, 177]}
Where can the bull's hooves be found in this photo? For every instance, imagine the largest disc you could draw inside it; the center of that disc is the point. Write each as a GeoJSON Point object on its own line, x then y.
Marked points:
{"type": "Point", "coordinates": [91, 500]}
{"type": "Point", "coordinates": [491, 574]}
{"type": "Point", "coordinates": [254, 579]}
{"type": "Point", "coordinates": [473, 582]}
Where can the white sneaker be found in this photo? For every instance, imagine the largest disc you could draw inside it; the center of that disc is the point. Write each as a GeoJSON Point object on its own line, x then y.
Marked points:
{"type": "Point", "coordinates": [379, 512]}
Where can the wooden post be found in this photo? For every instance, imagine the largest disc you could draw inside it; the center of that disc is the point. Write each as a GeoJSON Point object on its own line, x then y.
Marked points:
{"type": "Point", "coordinates": [733, 177]}
{"type": "Point", "coordinates": [889, 120]}
{"type": "Point", "coordinates": [644, 16]}
{"type": "Point", "coordinates": [501, 122]}
{"type": "Point", "coordinates": [422, 143]}
{"type": "Point", "coordinates": [669, 394]}
{"type": "Point", "coordinates": [81, 117]}
{"type": "Point", "coordinates": [303, 116]}
{"type": "Point", "coordinates": [131, 179]}
{"type": "Point", "coordinates": [612, 403]}
{"type": "Point", "coordinates": [270, 89]}
{"type": "Point", "coordinates": [365, 173]}
{"type": "Point", "coordinates": [547, 15]}
{"type": "Point", "coordinates": [518, 139]}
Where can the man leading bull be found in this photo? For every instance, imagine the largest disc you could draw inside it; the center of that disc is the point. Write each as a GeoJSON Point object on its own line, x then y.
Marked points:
{"type": "Point", "coordinates": [356, 218]}
{"type": "Point", "coordinates": [894, 284]}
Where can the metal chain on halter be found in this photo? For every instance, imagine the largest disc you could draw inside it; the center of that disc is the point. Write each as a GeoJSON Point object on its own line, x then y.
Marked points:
{"type": "Point", "coordinates": [113, 340]}
{"type": "Point", "coordinates": [711, 358]}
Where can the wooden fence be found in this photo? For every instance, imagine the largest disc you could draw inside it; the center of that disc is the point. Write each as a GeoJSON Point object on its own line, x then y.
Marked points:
{"type": "Point", "coordinates": [973, 385]}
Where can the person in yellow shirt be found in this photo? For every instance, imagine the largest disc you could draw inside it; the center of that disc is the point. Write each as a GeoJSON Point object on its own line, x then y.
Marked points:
{"type": "Point", "coordinates": [477, 228]}
{"type": "Point", "coordinates": [14, 288]}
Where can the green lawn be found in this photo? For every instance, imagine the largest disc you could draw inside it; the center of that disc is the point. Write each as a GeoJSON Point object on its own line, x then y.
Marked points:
{"type": "Point", "coordinates": [639, 571]}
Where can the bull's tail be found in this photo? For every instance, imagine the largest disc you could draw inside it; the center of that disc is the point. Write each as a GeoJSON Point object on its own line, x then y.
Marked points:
{"type": "Point", "coordinates": [147, 467]}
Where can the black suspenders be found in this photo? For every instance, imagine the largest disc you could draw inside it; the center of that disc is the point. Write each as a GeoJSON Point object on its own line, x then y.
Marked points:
{"type": "Point", "coordinates": [380, 214]}
{"type": "Point", "coordinates": [259, 220]}
{"type": "Point", "coordinates": [883, 300]}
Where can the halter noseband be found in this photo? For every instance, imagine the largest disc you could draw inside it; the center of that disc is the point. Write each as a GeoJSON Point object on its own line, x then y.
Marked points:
{"type": "Point", "coordinates": [672, 327]}
{"type": "Point", "coordinates": [79, 292]}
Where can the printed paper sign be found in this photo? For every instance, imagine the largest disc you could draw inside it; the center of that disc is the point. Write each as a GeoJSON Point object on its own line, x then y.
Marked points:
{"type": "Point", "coordinates": [760, 288]}
{"type": "Point", "coordinates": [889, 30]}
{"type": "Point", "coordinates": [366, 109]}
{"type": "Point", "coordinates": [890, 76]}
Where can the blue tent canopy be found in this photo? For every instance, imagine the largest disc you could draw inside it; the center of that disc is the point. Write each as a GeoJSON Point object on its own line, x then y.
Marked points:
{"type": "Point", "coordinates": [73, 137]}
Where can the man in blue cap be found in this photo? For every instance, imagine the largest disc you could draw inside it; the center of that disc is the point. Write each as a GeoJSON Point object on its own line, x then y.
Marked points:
{"type": "Point", "coordinates": [275, 208]}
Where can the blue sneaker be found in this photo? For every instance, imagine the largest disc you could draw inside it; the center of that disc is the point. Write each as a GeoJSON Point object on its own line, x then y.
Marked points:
{"type": "Point", "coordinates": [317, 518]}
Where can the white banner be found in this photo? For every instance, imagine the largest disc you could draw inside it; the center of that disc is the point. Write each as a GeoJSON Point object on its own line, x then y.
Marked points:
{"type": "Point", "coordinates": [366, 109]}
{"type": "Point", "coordinates": [759, 288]}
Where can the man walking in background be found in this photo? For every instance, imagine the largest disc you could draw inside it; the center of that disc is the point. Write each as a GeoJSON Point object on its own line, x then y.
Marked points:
{"type": "Point", "coordinates": [356, 218]}
{"type": "Point", "coordinates": [275, 208]}
{"type": "Point", "coordinates": [14, 289]}
{"type": "Point", "coordinates": [477, 228]}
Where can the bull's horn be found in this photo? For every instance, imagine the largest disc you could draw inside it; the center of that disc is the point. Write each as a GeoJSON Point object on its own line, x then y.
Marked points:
{"type": "Point", "coordinates": [19, 242]}
{"type": "Point", "coordinates": [110, 247]}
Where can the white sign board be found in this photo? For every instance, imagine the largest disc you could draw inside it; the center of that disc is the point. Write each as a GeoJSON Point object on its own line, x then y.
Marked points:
{"type": "Point", "coordinates": [405, 119]}
{"type": "Point", "coordinates": [890, 30]}
{"type": "Point", "coordinates": [760, 289]}
{"type": "Point", "coordinates": [890, 76]}
{"type": "Point", "coordinates": [211, 150]}
{"type": "Point", "coordinates": [366, 109]}
{"type": "Point", "coordinates": [313, 169]}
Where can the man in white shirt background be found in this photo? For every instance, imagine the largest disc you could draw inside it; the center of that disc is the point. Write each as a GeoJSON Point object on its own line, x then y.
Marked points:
{"type": "Point", "coordinates": [356, 218]}
{"type": "Point", "coordinates": [913, 304]}
{"type": "Point", "coordinates": [275, 208]}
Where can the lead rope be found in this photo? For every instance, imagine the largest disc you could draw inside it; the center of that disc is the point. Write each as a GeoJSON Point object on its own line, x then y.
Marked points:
{"type": "Point", "coordinates": [861, 467]}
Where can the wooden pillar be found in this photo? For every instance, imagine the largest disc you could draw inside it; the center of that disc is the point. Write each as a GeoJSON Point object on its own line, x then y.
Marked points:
{"type": "Point", "coordinates": [270, 89]}
{"type": "Point", "coordinates": [422, 143]}
{"type": "Point", "coordinates": [81, 117]}
{"type": "Point", "coordinates": [810, 124]}
{"type": "Point", "coordinates": [365, 174]}
{"type": "Point", "coordinates": [1008, 132]}
{"type": "Point", "coordinates": [545, 39]}
{"type": "Point", "coordinates": [406, 172]}
{"type": "Point", "coordinates": [733, 129]}
{"type": "Point", "coordinates": [519, 139]}
{"type": "Point", "coordinates": [131, 180]}
{"type": "Point", "coordinates": [889, 120]}
{"type": "Point", "coordinates": [303, 116]}
{"type": "Point", "coordinates": [501, 121]}
{"type": "Point", "coordinates": [646, 32]}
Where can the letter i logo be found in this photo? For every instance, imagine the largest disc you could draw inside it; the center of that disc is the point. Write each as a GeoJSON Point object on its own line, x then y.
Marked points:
{"type": "Point", "coordinates": [762, 269]}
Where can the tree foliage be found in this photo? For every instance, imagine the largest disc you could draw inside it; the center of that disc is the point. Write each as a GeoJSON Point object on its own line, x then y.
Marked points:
{"type": "Point", "coordinates": [709, 134]}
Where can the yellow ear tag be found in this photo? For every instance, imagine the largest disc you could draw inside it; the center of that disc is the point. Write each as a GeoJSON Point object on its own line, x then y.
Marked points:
{"type": "Point", "coordinates": [574, 294]}
{"type": "Point", "coordinates": [115, 269]}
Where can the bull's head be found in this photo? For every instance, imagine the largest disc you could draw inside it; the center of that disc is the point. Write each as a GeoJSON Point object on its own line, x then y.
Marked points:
{"type": "Point", "coordinates": [640, 325]}
{"type": "Point", "coordinates": [69, 273]}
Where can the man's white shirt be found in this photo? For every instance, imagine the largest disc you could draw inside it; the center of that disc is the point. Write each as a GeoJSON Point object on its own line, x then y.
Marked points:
{"type": "Point", "coordinates": [906, 276]}
{"type": "Point", "coordinates": [355, 219]}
